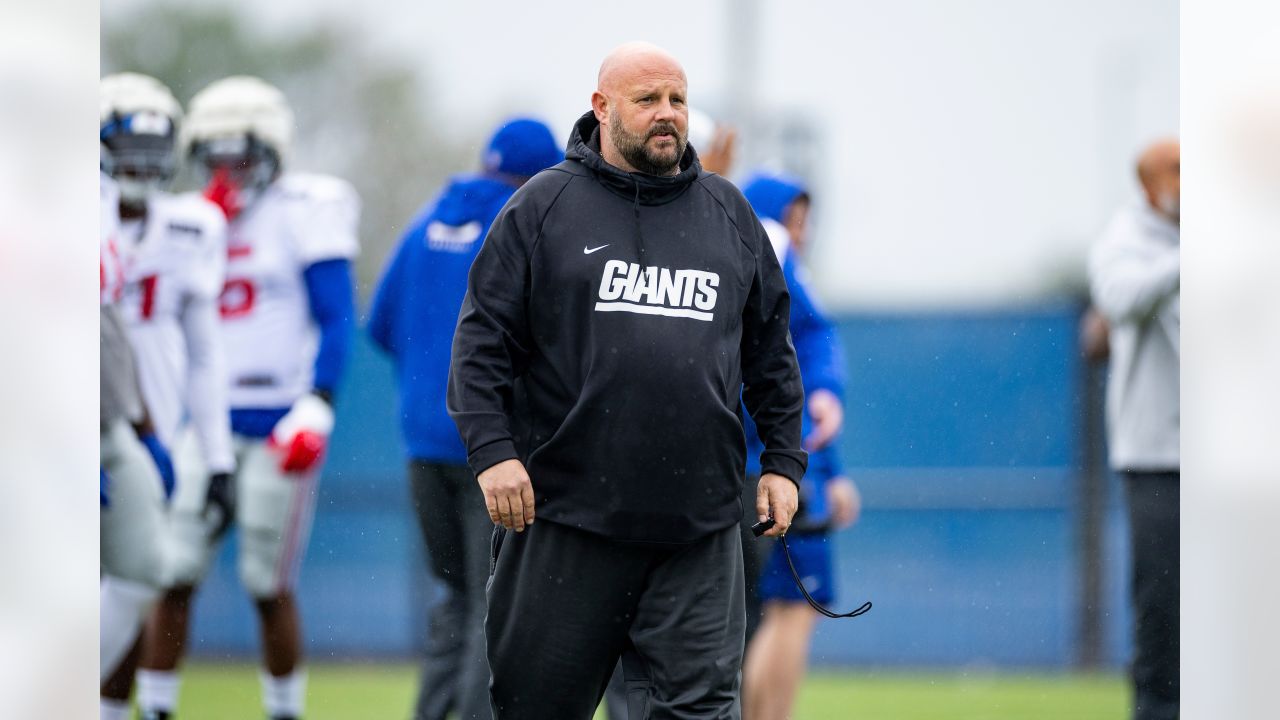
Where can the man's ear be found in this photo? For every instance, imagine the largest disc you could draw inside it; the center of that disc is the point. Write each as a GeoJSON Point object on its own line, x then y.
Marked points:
{"type": "Point", "coordinates": [600, 105]}
{"type": "Point", "coordinates": [1153, 198]}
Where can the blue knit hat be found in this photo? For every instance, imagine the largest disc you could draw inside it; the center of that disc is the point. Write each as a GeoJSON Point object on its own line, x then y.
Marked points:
{"type": "Point", "coordinates": [522, 146]}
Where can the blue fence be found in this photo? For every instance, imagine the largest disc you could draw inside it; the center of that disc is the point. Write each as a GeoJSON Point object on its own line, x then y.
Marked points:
{"type": "Point", "coordinates": [963, 432]}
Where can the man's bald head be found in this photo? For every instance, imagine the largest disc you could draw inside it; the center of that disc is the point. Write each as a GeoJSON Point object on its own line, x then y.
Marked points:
{"type": "Point", "coordinates": [642, 106]}
{"type": "Point", "coordinates": [1159, 171]}
{"type": "Point", "coordinates": [634, 57]}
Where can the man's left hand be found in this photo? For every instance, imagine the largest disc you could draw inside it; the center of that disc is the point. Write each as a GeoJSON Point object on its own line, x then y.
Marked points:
{"type": "Point", "coordinates": [777, 497]}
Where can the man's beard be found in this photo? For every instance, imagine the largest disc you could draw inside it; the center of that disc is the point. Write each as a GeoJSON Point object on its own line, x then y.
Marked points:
{"type": "Point", "coordinates": [635, 150]}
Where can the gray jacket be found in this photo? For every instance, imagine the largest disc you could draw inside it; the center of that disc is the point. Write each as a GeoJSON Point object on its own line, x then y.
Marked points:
{"type": "Point", "coordinates": [1134, 279]}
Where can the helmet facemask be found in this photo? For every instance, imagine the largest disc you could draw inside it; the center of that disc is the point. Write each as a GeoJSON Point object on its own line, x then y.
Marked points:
{"type": "Point", "coordinates": [137, 152]}
{"type": "Point", "coordinates": [235, 170]}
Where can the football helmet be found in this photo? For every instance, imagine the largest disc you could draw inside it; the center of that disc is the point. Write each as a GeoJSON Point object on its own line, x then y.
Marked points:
{"type": "Point", "coordinates": [702, 130]}
{"type": "Point", "coordinates": [238, 132]}
{"type": "Point", "coordinates": [137, 133]}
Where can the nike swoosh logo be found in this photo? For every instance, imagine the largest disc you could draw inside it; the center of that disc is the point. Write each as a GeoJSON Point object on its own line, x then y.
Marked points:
{"type": "Point", "coordinates": [586, 251]}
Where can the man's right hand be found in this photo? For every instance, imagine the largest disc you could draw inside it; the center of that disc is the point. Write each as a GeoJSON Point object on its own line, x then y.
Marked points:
{"type": "Point", "coordinates": [508, 494]}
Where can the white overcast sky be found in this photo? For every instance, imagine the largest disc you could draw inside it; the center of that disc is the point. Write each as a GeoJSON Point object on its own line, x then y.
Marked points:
{"type": "Point", "coordinates": [970, 150]}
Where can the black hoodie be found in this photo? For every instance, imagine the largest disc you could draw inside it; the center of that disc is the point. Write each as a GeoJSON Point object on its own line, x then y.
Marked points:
{"type": "Point", "coordinates": [611, 324]}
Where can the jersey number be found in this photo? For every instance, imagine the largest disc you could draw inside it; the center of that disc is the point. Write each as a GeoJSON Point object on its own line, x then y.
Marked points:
{"type": "Point", "coordinates": [237, 298]}
{"type": "Point", "coordinates": [148, 296]}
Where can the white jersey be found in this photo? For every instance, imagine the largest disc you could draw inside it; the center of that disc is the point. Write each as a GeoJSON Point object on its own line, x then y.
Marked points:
{"type": "Point", "coordinates": [270, 335]}
{"type": "Point", "coordinates": [174, 265]}
{"type": "Point", "coordinates": [110, 273]}
{"type": "Point", "coordinates": [119, 396]}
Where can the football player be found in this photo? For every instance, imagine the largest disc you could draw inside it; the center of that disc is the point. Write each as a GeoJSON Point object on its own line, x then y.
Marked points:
{"type": "Point", "coordinates": [286, 315]}
{"type": "Point", "coordinates": [172, 251]}
{"type": "Point", "coordinates": [133, 571]}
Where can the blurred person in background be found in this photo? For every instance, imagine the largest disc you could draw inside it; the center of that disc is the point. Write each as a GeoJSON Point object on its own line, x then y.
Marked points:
{"type": "Point", "coordinates": [415, 310]}
{"type": "Point", "coordinates": [171, 251]}
{"type": "Point", "coordinates": [777, 651]}
{"type": "Point", "coordinates": [1134, 274]}
{"type": "Point", "coordinates": [286, 315]}
{"type": "Point", "coordinates": [131, 489]}
{"type": "Point", "coordinates": [782, 204]}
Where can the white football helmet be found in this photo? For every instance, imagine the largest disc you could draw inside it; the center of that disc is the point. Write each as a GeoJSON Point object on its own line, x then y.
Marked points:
{"type": "Point", "coordinates": [239, 131]}
{"type": "Point", "coordinates": [137, 133]}
{"type": "Point", "coordinates": [702, 129]}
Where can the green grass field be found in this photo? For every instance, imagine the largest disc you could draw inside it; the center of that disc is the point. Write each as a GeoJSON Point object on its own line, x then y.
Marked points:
{"type": "Point", "coordinates": [378, 692]}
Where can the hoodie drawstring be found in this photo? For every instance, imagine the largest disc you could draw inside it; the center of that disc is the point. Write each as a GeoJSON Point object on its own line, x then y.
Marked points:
{"type": "Point", "coordinates": [639, 230]}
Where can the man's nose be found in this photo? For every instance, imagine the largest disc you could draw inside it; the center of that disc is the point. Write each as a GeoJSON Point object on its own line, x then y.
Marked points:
{"type": "Point", "coordinates": [665, 110]}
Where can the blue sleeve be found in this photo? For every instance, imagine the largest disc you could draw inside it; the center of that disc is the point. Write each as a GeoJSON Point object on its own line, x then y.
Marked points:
{"type": "Point", "coordinates": [387, 298]}
{"type": "Point", "coordinates": [329, 292]}
{"type": "Point", "coordinates": [828, 465]}
{"type": "Point", "coordinates": [817, 345]}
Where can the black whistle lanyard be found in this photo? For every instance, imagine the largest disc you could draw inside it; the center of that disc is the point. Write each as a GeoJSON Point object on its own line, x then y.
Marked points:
{"type": "Point", "coordinates": [759, 529]}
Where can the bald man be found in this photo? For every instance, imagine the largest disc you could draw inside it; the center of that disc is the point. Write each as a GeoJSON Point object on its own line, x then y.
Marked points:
{"type": "Point", "coordinates": [621, 304]}
{"type": "Point", "coordinates": [1134, 278]}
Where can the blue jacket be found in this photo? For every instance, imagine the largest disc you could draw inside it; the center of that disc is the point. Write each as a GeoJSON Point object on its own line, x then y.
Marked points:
{"type": "Point", "coordinates": [415, 307]}
{"type": "Point", "coordinates": [814, 337]}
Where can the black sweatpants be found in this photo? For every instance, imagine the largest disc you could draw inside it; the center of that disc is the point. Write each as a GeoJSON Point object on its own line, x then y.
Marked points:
{"type": "Point", "coordinates": [456, 530]}
{"type": "Point", "coordinates": [565, 605]}
{"type": "Point", "coordinates": [754, 552]}
{"type": "Point", "coordinates": [1153, 528]}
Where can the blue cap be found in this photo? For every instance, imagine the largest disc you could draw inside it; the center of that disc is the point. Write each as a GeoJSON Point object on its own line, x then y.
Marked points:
{"type": "Point", "coordinates": [523, 147]}
{"type": "Point", "coordinates": [771, 193]}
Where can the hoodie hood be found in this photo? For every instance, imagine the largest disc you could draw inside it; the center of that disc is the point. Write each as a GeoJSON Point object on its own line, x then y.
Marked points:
{"type": "Point", "coordinates": [469, 198]}
{"type": "Point", "coordinates": [642, 188]}
{"type": "Point", "coordinates": [770, 194]}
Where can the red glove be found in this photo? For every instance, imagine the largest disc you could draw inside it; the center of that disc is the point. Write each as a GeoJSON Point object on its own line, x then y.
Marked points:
{"type": "Point", "coordinates": [302, 435]}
